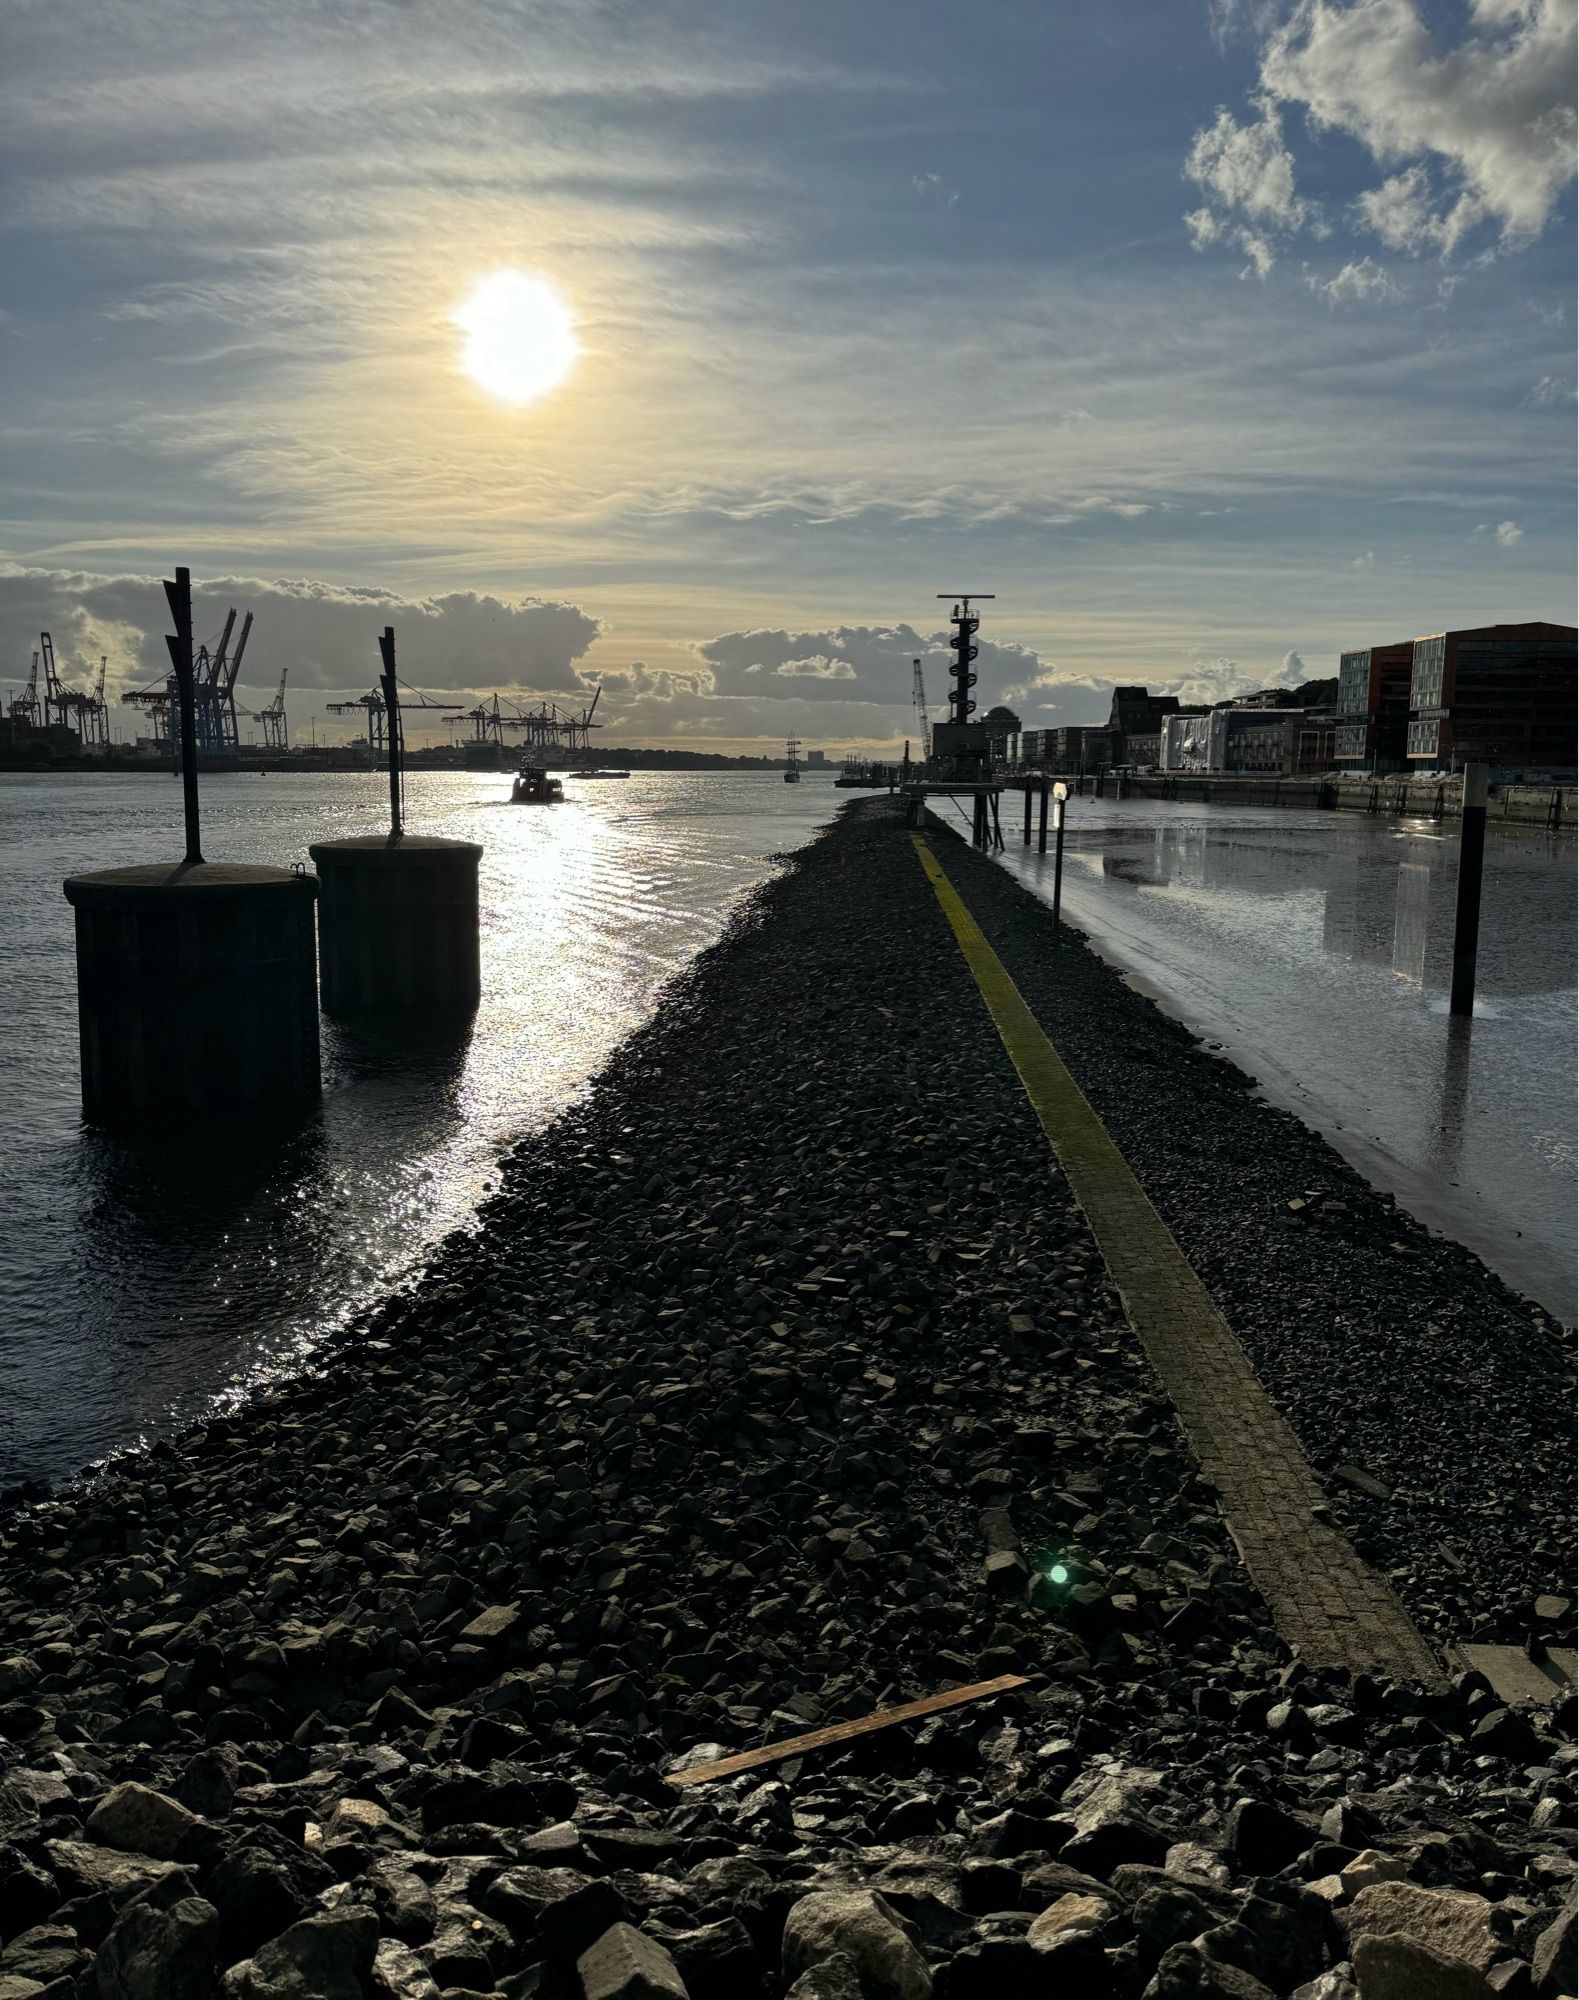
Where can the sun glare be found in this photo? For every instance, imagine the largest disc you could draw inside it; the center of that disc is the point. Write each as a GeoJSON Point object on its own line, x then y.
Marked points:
{"type": "Point", "coordinates": [520, 336]}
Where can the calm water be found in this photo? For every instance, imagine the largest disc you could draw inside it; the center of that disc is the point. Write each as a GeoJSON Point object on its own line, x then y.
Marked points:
{"type": "Point", "coordinates": [137, 1287]}
{"type": "Point", "coordinates": [1317, 949]}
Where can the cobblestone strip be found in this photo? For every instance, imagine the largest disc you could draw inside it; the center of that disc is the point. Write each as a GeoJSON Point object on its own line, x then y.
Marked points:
{"type": "Point", "coordinates": [1328, 1604]}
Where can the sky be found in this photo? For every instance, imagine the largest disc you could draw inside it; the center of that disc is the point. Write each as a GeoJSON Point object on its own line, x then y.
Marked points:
{"type": "Point", "coordinates": [1210, 336]}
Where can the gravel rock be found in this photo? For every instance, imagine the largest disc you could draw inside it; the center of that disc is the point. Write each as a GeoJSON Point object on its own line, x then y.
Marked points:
{"type": "Point", "coordinates": [154, 1954]}
{"type": "Point", "coordinates": [624, 1965]}
{"type": "Point", "coordinates": [861, 1926]}
{"type": "Point", "coordinates": [140, 1821]}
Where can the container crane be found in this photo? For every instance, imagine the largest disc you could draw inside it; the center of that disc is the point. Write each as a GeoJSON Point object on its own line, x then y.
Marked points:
{"type": "Point", "coordinates": [24, 706]}
{"type": "Point", "coordinates": [373, 705]}
{"type": "Point", "coordinates": [276, 731]}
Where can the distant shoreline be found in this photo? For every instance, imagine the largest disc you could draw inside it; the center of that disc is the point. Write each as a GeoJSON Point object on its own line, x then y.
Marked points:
{"type": "Point", "coordinates": [622, 760]}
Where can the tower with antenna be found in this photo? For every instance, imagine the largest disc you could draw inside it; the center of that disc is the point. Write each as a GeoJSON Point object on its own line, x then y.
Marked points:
{"type": "Point", "coordinates": [959, 746]}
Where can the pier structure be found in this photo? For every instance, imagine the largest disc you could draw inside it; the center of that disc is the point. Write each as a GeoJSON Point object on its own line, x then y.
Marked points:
{"type": "Point", "coordinates": [196, 993]}
{"type": "Point", "coordinates": [400, 930]}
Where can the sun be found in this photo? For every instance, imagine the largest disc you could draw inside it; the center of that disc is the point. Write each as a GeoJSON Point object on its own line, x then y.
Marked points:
{"type": "Point", "coordinates": [520, 336]}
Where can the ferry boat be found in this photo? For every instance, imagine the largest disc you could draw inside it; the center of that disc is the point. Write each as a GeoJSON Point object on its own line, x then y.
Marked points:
{"type": "Point", "coordinates": [792, 773]}
{"type": "Point", "coordinates": [580, 776]}
{"type": "Point", "coordinates": [534, 787]}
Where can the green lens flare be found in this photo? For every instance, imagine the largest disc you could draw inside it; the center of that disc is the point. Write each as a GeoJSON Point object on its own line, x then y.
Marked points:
{"type": "Point", "coordinates": [1058, 1574]}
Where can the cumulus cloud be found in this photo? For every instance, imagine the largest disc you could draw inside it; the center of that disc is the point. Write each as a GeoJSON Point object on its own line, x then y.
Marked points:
{"type": "Point", "coordinates": [1506, 534]}
{"type": "Point", "coordinates": [1294, 667]}
{"type": "Point", "coordinates": [325, 633]}
{"type": "Point", "coordinates": [1246, 173]}
{"type": "Point", "coordinates": [1492, 114]}
{"type": "Point", "coordinates": [876, 658]}
{"type": "Point", "coordinates": [818, 668]}
{"type": "Point", "coordinates": [1479, 129]}
{"type": "Point", "coordinates": [1364, 279]}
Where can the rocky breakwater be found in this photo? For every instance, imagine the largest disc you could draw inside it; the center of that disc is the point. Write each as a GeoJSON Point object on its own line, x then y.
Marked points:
{"type": "Point", "coordinates": [779, 1383]}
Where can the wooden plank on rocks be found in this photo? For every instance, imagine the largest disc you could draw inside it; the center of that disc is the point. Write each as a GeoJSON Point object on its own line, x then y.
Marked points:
{"type": "Point", "coordinates": [843, 1732]}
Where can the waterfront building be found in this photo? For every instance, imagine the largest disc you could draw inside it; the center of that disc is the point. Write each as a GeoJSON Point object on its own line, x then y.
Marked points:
{"type": "Point", "coordinates": [1135, 721]}
{"type": "Point", "coordinates": [1373, 707]}
{"type": "Point", "coordinates": [816, 760]}
{"type": "Point", "coordinates": [1500, 695]}
{"type": "Point", "coordinates": [1001, 724]}
{"type": "Point", "coordinates": [1253, 740]}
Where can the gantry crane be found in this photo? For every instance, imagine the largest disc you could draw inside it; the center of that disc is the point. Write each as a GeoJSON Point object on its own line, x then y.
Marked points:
{"type": "Point", "coordinates": [373, 704]}
{"type": "Point", "coordinates": [70, 707]}
{"type": "Point", "coordinates": [24, 706]}
{"type": "Point", "coordinates": [276, 731]}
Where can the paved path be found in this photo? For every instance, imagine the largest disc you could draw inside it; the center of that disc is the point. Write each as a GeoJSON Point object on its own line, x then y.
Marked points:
{"type": "Point", "coordinates": [1328, 1604]}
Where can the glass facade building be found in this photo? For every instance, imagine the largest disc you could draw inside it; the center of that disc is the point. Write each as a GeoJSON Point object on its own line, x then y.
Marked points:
{"type": "Point", "coordinates": [1500, 695]}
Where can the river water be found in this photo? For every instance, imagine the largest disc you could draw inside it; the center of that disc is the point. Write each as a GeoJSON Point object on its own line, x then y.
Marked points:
{"type": "Point", "coordinates": [1316, 949]}
{"type": "Point", "coordinates": [140, 1286]}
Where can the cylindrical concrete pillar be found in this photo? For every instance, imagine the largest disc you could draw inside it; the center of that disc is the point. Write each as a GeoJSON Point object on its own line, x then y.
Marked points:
{"type": "Point", "coordinates": [398, 924]}
{"type": "Point", "coordinates": [196, 993]}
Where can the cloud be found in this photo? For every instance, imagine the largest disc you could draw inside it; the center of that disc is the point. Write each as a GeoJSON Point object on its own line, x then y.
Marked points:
{"type": "Point", "coordinates": [817, 668]}
{"type": "Point", "coordinates": [1506, 534]}
{"type": "Point", "coordinates": [781, 665]}
{"type": "Point", "coordinates": [1366, 561]}
{"type": "Point", "coordinates": [1491, 113]}
{"type": "Point", "coordinates": [1548, 390]}
{"type": "Point", "coordinates": [1480, 129]}
{"type": "Point", "coordinates": [1365, 279]}
{"type": "Point", "coordinates": [1247, 175]}
{"type": "Point", "coordinates": [1293, 666]}
{"type": "Point", "coordinates": [933, 188]}
{"type": "Point", "coordinates": [326, 634]}
{"type": "Point", "coordinates": [1248, 168]}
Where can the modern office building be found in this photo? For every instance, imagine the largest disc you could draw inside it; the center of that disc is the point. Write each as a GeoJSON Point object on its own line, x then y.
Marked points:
{"type": "Point", "coordinates": [1373, 707]}
{"type": "Point", "coordinates": [1500, 695]}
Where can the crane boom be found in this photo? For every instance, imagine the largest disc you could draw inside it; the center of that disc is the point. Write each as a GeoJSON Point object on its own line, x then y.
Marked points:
{"type": "Point", "coordinates": [920, 698]}
{"type": "Point", "coordinates": [241, 647]}
{"type": "Point", "coordinates": [216, 665]}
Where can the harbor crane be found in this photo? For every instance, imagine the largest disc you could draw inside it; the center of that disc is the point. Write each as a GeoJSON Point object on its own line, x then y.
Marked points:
{"type": "Point", "coordinates": [922, 718]}
{"type": "Point", "coordinates": [276, 731]}
{"type": "Point", "coordinates": [24, 706]}
{"type": "Point", "coordinates": [549, 728]}
{"type": "Point", "coordinates": [372, 704]}
{"type": "Point", "coordinates": [71, 707]}
{"type": "Point", "coordinates": [213, 696]}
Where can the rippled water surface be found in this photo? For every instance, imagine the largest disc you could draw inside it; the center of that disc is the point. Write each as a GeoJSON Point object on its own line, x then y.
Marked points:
{"type": "Point", "coordinates": [1317, 949]}
{"type": "Point", "coordinates": [136, 1286]}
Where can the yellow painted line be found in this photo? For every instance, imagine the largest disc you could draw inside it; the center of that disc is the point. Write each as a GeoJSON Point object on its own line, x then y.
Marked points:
{"type": "Point", "coordinates": [1327, 1603]}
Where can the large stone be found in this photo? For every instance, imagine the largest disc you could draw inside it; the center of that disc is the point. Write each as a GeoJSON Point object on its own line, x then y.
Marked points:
{"type": "Point", "coordinates": [1393, 1966]}
{"type": "Point", "coordinates": [261, 1889]}
{"type": "Point", "coordinates": [398, 1973]}
{"type": "Point", "coordinates": [1070, 1913]}
{"type": "Point", "coordinates": [321, 1958]}
{"type": "Point", "coordinates": [84, 1869]}
{"type": "Point", "coordinates": [493, 1626]}
{"type": "Point", "coordinates": [153, 1954]}
{"type": "Point", "coordinates": [138, 1820]}
{"type": "Point", "coordinates": [623, 1964]}
{"type": "Point", "coordinates": [1112, 1825]}
{"type": "Point", "coordinates": [1451, 1921]}
{"type": "Point", "coordinates": [1263, 1838]}
{"type": "Point", "coordinates": [1186, 1972]}
{"type": "Point", "coordinates": [1554, 1962]}
{"type": "Point", "coordinates": [835, 1979]}
{"type": "Point", "coordinates": [868, 1930]}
